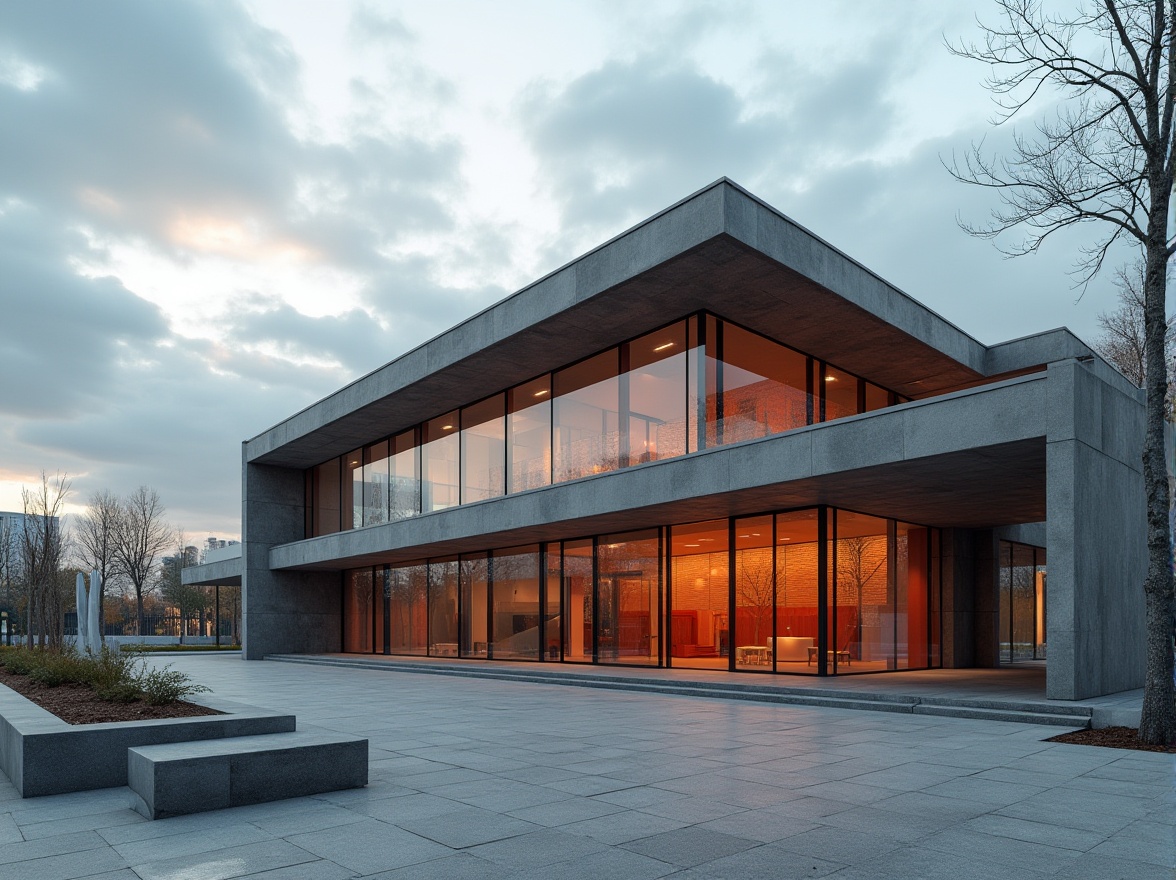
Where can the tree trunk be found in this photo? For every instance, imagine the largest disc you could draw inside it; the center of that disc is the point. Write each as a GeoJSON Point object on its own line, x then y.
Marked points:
{"type": "Point", "coordinates": [1158, 721]}
{"type": "Point", "coordinates": [138, 610]}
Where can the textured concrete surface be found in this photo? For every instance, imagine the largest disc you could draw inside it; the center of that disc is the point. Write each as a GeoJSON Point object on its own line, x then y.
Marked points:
{"type": "Point", "coordinates": [507, 779]}
{"type": "Point", "coordinates": [179, 779]}
{"type": "Point", "coordinates": [43, 755]}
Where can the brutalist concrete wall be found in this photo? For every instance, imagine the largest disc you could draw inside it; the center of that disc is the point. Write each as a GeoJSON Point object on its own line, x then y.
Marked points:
{"type": "Point", "coordinates": [1095, 534]}
{"type": "Point", "coordinates": [282, 611]}
{"type": "Point", "coordinates": [958, 581]}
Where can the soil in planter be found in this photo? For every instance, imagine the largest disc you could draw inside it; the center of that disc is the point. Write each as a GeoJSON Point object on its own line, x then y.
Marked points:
{"type": "Point", "coordinates": [1111, 738]}
{"type": "Point", "coordinates": [77, 704]}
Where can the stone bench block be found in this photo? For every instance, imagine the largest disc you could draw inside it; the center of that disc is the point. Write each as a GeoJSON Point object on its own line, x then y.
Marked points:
{"type": "Point", "coordinates": [192, 777]}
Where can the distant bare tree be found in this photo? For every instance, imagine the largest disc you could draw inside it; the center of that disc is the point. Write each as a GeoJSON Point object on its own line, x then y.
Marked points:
{"type": "Point", "coordinates": [140, 539]}
{"type": "Point", "coordinates": [42, 558]}
{"type": "Point", "coordinates": [95, 536]}
{"type": "Point", "coordinates": [9, 567]}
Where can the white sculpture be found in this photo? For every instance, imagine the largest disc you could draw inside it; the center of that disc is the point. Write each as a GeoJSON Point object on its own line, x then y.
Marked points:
{"type": "Point", "coordinates": [89, 628]}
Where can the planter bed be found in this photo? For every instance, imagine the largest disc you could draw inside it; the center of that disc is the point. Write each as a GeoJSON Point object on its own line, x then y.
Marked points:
{"type": "Point", "coordinates": [41, 754]}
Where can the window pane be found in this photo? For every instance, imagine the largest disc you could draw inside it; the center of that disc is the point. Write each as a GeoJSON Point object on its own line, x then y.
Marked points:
{"type": "Point", "coordinates": [404, 476]}
{"type": "Point", "coordinates": [443, 607]}
{"type": "Point", "coordinates": [700, 590]}
{"type": "Point", "coordinates": [763, 387]}
{"type": "Point", "coordinates": [797, 591]}
{"type": "Point", "coordinates": [407, 590]}
{"type": "Point", "coordinates": [483, 450]}
{"type": "Point", "coordinates": [1039, 590]}
{"type": "Point", "coordinates": [474, 572]}
{"type": "Point", "coordinates": [1005, 599]}
{"type": "Point", "coordinates": [352, 502]}
{"type": "Point", "coordinates": [841, 393]}
{"type": "Point", "coordinates": [529, 435]}
{"type": "Point", "coordinates": [1024, 579]}
{"type": "Point", "coordinates": [876, 398]}
{"type": "Point", "coordinates": [586, 417]}
{"type": "Point", "coordinates": [755, 599]}
{"type": "Point", "coordinates": [656, 384]}
{"type": "Point", "coordinates": [629, 598]}
{"type": "Point", "coordinates": [326, 497]}
{"type": "Point", "coordinates": [578, 600]}
{"type": "Point", "coordinates": [375, 484]}
{"type": "Point", "coordinates": [551, 638]}
{"type": "Point", "coordinates": [864, 630]}
{"type": "Point", "coordinates": [515, 592]}
{"type": "Point", "coordinates": [439, 462]}
{"type": "Point", "coordinates": [357, 611]}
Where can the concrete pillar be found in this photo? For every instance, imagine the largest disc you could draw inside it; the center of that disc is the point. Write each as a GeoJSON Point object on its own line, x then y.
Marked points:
{"type": "Point", "coordinates": [282, 611]}
{"type": "Point", "coordinates": [957, 555]}
{"type": "Point", "coordinates": [1095, 536]}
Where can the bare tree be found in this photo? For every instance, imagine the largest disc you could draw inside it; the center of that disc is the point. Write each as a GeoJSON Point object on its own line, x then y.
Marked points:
{"type": "Point", "coordinates": [1122, 339]}
{"type": "Point", "coordinates": [42, 548]}
{"type": "Point", "coordinates": [95, 542]}
{"type": "Point", "coordinates": [1106, 157]}
{"type": "Point", "coordinates": [140, 539]}
{"type": "Point", "coordinates": [9, 567]}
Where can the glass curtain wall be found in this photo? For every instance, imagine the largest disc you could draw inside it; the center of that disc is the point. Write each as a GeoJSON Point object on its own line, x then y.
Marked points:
{"type": "Point", "coordinates": [514, 590]}
{"type": "Point", "coordinates": [755, 594]}
{"type": "Point", "coordinates": [629, 590]}
{"type": "Point", "coordinates": [474, 604]}
{"type": "Point", "coordinates": [443, 629]}
{"type": "Point", "coordinates": [579, 600]}
{"type": "Point", "coordinates": [406, 590]}
{"type": "Point", "coordinates": [700, 591]}
{"type": "Point", "coordinates": [1022, 602]}
{"type": "Point", "coordinates": [696, 383]}
{"type": "Point", "coordinates": [798, 590]}
{"type": "Point", "coordinates": [358, 608]}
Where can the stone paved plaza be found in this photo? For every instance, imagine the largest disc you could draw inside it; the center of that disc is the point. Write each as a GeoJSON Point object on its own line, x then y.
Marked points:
{"type": "Point", "coordinates": [484, 779]}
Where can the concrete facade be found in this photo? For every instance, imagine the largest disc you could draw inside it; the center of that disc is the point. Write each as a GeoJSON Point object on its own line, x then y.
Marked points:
{"type": "Point", "coordinates": [1035, 440]}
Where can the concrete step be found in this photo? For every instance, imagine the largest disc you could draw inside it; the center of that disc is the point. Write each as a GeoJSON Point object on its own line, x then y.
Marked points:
{"type": "Point", "coordinates": [192, 777]}
{"type": "Point", "coordinates": [1073, 721]}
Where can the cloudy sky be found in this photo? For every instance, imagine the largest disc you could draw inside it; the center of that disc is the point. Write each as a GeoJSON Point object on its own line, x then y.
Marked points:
{"type": "Point", "coordinates": [214, 214]}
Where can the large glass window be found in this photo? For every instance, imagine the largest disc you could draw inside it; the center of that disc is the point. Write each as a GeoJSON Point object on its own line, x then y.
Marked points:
{"type": "Point", "coordinates": [515, 615]}
{"type": "Point", "coordinates": [443, 578]}
{"type": "Point", "coordinates": [406, 591]}
{"type": "Point", "coordinates": [628, 583]}
{"type": "Point", "coordinates": [474, 572]}
{"type": "Point", "coordinates": [404, 476]}
{"type": "Point", "coordinates": [326, 497]}
{"type": "Point", "coordinates": [578, 600]}
{"type": "Point", "coordinates": [483, 450]}
{"type": "Point", "coordinates": [755, 593]}
{"type": "Point", "coordinates": [351, 506]}
{"type": "Point", "coordinates": [700, 590]}
{"type": "Point", "coordinates": [440, 451]}
{"type": "Point", "coordinates": [843, 393]}
{"type": "Point", "coordinates": [798, 589]}
{"type": "Point", "coordinates": [864, 625]}
{"type": "Point", "coordinates": [1022, 602]}
{"type": "Point", "coordinates": [357, 611]}
{"type": "Point", "coordinates": [586, 417]}
{"type": "Point", "coordinates": [655, 388]}
{"type": "Point", "coordinates": [762, 386]}
{"type": "Point", "coordinates": [375, 484]}
{"type": "Point", "coordinates": [528, 417]}
{"type": "Point", "coordinates": [553, 615]}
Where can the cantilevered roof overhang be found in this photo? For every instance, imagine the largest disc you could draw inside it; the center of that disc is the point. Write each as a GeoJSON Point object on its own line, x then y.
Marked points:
{"type": "Point", "coordinates": [720, 249]}
{"type": "Point", "coordinates": [970, 459]}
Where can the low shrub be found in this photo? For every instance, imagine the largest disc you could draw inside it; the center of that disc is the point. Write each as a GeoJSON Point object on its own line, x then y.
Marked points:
{"type": "Point", "coordinates": [166, 685]}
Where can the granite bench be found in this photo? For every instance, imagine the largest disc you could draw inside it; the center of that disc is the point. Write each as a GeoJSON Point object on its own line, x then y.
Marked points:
{"type": "Point", "coordinates": [191, 777]}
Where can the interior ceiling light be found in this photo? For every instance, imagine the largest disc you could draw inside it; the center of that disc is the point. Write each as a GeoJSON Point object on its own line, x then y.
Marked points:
{"type": "Point", "coordinates": [447, 427]}
{"type": "Point", "coordinates": [663, 346]}
{"type": "Point", "coordinates": [690, 545]}
{"type": "Point", "coordinates": [541, 393]}
{"type": "Point", "coordinates": [830, 378]}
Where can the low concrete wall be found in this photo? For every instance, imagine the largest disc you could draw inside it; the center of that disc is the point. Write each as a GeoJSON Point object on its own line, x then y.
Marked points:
{"type": "Point", "coordinates": [41, 754]}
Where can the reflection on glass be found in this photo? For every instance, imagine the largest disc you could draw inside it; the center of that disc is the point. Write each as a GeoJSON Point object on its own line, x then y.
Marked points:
{"type": "Point", "coordinates": [474, 571]}
{"type": "Point", "coordinates": [375, 484]}
{"type": "Point", "coordinates": [578, 600]}
{"type": "Point", "coordinates": [483, 450]}
{"type": "Point", "coordinates": [551, 637]}
{"type": "Point", "coordinates": [515, 615]}
{"type": "Point", "coordinates": [357, 611]}
{"type": "Point", "coordinates": [628, 598]}
{"type": "Point", "coordinates": [863, 628]}
{"type": "Point", "coordinates": [762, 387]}
{"type": "Point", "coordinates": [586, 417]}
{"type": "Point", "coordinates": [404, 476]}
{"type": "Point", "coordinates": [656, 387]}
{"type": "Point", "coordinates": [443, 576]}
{"type": "Point", "coordinates": [699, 634]}
{"type": "Point", "coordinates": [406, 588]}
{"type": "Point", "coordinates": [351, 505]}
{"type": "Point", "coordinates": [841, 394]}
{"type": "Point", "coordinates": [326, 497]}
{"type": "Point", "coordinates": [440, 448]}
{"type": "Point", "coordinates": [755, 598]}
{"type": "Point", "coordinates": [1021, 588]}
{"type": "Point", "coordinates": [529, 435]}
{"type": "Point", "coordinates": [797, 592]}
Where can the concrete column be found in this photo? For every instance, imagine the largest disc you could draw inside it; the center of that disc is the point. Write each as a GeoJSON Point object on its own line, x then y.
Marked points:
{"type": "Point", "coordinates": [282, 611]}
{"type": "Point", "coordinates": [957, 557]}
{"type": "Point", "coordinates": [1095, 535]}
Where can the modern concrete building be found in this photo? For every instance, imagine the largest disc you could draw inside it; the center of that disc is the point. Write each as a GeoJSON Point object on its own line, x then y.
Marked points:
{"type": "Point", "coordinates": [713, 442]}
